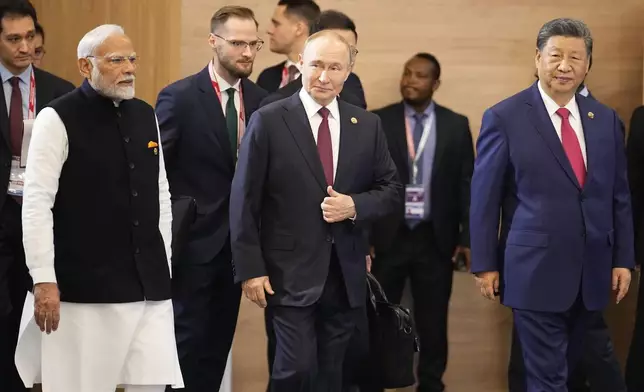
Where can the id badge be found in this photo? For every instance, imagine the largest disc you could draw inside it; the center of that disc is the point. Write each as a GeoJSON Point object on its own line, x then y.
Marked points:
{"type": "Point", "coordinates": [414, 202]}
{"type": "Point", "coordinates": [16, 178]}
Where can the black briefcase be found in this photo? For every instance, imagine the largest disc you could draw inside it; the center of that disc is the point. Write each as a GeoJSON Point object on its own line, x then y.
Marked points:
{"type": "Point", "coordinates": [393, 339]}
{"type": "Point", "coordinates": [184, 213]}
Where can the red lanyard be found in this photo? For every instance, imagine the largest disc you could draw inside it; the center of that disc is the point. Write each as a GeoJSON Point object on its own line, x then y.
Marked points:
{"type": "Point", "coordinates": [284, 76]}
{"type": "Point", "coordinates": [31, 112]}
{"type": "Point", "coordinates": [242, 119]}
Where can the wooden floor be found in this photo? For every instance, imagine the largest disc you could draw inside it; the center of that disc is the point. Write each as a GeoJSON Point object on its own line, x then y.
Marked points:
{"type": "Point", "coordinates": [479, 337]}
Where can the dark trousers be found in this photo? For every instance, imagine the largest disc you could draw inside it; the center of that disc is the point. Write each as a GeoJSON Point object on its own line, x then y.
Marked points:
{"type": "Point", "coordinates": [14, 283]}
{"type": "Point", "coordinates": [416, 256]}
{"type": "Point", "coordinates": [206, 306]}
{"type": "Point", "coordinates": [597, 371]}
{"type": "Point", "coordinates": [311, 341]}
{"type": "Point", "coordinates": [635, 361]}
{"type": "Point", "coordinates": [552, 344]}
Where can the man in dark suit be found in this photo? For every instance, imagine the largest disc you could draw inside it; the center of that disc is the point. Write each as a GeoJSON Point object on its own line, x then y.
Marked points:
{"type": "Point", "coordinates": [34, 89]}
{"type": "Point", "coordinates": [299, 214]}
{"type": "Point", "coordinates": [352, 91]}
{"type": "Point", "coordinates": [201, 120]}
{"type": "Point", "coordinates": [432, 148]}
{"type": "Point", "coordinates": [551, 165]}
{"type": "Point", "coordinates": [291, 24]}
{"type": "Point", "coordinates": [635, 155]}
{"type": "Point", "coordinates": [598, 369]}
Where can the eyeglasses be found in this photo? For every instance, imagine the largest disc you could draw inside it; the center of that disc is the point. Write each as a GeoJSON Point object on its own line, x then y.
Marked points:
{"type": "Point", "coordinates": [241, 45]}
{"type": "Point", "coordinates": [118, 61]}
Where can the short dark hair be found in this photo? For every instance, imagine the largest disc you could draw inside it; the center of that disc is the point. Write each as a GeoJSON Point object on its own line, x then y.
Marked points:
{"type": "Point", "coordinates": [17, 7]}
{"type": "Point", "coordinates": [306, 10]}
{"type": "Point", "coordinates": [332, 19]}
{"type": "Point", "coordinates": [40, 31]}
{"type": "Point", "coordinates": [565, 27]}
{"type": "Point", "coordinates": [432, 59]}
{"type": "Point", "coordinates": [231, 11]}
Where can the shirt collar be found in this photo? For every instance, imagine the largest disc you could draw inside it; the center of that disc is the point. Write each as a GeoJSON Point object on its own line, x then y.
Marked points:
{"type": "Point", "coordinates": [410, 112]}
{"type": "Point", "coordinates": [5, 74]}
{"type": "Point", "coordinates": [311, 107]}
{"type": "Point", "coordinates": [289, 63]}
{"type": "Point", "coordinates": [223, 84]}
{"type": "Point", "coordinates": [584, 91]}
{"type": "Point", "coordinates": [552, 106]}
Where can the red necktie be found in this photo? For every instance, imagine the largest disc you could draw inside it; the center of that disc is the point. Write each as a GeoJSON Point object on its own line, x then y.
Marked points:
{"type": "Point", "coordinates": [571, 146]}
{"type": "Point", "coordinates": [324, 146]}
{"type": "Point", "coordinates": [15, 117]}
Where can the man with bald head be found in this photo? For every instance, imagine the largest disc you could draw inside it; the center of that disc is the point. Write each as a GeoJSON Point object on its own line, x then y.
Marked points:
{"type": "Point", "coordinates": [96, 231]}
{"type": "Point", "coordinates": [313, 174]}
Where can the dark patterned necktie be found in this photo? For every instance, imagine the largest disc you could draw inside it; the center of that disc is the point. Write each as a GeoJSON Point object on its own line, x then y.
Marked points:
{"type": "Point", "coordinates": [325, 149]}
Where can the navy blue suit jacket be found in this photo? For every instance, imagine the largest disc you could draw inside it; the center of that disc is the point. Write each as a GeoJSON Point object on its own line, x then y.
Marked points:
{"type": "Point", "coordinates": [556, 238]}
{"type": "Point", "coordinates": [198, 157]}
{"type": "Point", "coordinates": [276, 220]}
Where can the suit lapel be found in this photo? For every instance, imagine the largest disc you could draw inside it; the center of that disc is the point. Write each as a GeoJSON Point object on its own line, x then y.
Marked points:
{"type": "Point", "coordinates": [591, 135]}
{"type": "Point", "coordinates": [4, 117]}
{"type": "Point", "coordinates": [300, 127]}
{"type": "Point", "coordinates": [250, 103]}
{"type": "Point", "coordinates": [399, 138]}
{"type": "Point", "coordinates": [44, 95]}
{"type": "Point", "coordinates": [212, 107]}
{"type": "Point", "coordinates": [540, 119]}
{"type": "Point", "coordinates": [442, 137]}
{"type": "Point", "coordinates": [348, 142]}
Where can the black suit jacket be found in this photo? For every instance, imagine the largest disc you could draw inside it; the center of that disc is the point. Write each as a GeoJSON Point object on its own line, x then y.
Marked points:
{"type": "Point", "coordinates": [48, 88]}
{"type": "Point", "coordinates": [270, 78]}
{"type": "Point", "coordinates": [198, 157]}
{"type": "Point", "coordinates": [352, 92]}
{"type": "Point", "coordinates": [276, 222]}
{"type": "Point", "coordinates": [451, 176]}
{"type": "Point", "coordinates": [635, 157]}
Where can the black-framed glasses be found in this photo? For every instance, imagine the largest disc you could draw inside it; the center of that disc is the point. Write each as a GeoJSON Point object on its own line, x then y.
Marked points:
{"type": "Point", "coordinates": [238, 44]}
{"type": "Point", "coordinates": [118, 61]}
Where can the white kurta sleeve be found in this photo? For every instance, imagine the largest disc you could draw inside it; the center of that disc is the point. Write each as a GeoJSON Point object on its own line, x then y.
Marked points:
{"type": "Point", "coordinates": [165, 206]}
{"type": "Point", "coordinates": [48, 150]}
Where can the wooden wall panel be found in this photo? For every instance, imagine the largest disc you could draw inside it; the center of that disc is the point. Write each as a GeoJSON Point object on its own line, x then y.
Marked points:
{"type": "Point", "coordinates": [153, 25]}
{"type": "Point", "coordinates": [486, 48]}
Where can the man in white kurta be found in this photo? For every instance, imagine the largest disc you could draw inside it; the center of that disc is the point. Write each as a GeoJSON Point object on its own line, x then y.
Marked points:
{"type": "Point", "coordinates": [97, 235]}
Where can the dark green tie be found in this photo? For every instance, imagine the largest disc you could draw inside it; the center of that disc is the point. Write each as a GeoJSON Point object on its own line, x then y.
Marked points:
{"type": "Point", "coordinates": [231, 121]}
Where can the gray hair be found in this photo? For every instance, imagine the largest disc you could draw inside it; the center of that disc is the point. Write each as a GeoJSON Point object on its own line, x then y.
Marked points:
{"type": "Point", "coordinates": [353, 52]}
{"type": "Point", "coordinates": [565, 27]}
{"type": "Point", "coordinates": [92, 40]}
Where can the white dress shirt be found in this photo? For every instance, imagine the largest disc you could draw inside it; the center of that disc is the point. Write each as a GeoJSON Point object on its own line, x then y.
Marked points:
{"type": "Point", "coordinates": [315, 119]}
{"type": "Point", "coordinates": [288, 64]}
{"type": "Point", "coordinates": [223, 86]}
{"type": "Point", "coordinates": [575, 119]}
{"type": "Point", "coordinates": [48, 151]}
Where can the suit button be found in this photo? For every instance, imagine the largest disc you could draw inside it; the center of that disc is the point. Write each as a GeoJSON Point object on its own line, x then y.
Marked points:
{"type": "Point", "coordinates": [126, 139]}
{"type": "Point", "coordinates": [137, 251]}
{"type": "Point", "coordinates": [135, 193]}
{"type": "Point", "coordinates": [135, 222]}
{"type": "Point", "coordinates": [329, 238]}
{"type": "Point", "coordinates": [131, 165]}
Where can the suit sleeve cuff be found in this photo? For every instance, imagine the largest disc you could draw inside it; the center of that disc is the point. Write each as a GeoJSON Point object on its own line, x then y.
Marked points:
{"type": "Point", "coordinates": [43, 275]}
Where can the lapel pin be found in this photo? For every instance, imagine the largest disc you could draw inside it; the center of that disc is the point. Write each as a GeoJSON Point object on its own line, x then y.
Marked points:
{"type": "Point", "coordinates": [354, 120]}
{"type": "Point", "coordinates": [156, 151]}
{"type": "Point", "coordinates": [591, 115]}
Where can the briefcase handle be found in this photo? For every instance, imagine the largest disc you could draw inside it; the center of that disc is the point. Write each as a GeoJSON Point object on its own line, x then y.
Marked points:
{"type": "Point", "coordinates": [375, 288]}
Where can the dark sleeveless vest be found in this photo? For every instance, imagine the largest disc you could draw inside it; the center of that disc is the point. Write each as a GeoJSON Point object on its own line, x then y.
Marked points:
{"type": "Point", "coordinates": [106, 214]}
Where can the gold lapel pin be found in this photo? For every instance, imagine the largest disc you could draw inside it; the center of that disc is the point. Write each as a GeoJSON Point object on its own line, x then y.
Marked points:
{"type": "Point", "coordinates": [591, 114]}
{"type": "Point", "coordinates": [354, 120]}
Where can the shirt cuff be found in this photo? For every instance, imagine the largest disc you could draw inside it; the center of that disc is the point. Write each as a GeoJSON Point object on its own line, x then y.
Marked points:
{"type": "Point", "coordinates": [43, 275]}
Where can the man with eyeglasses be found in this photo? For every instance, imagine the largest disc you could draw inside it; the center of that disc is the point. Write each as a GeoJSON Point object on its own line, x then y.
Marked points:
{"type": "Point", "coordinates": [39, 46]}
{"type": "Point", "coordinates": [202, 120]}
{"type": "Point", "coordinates": [25, 91]}
{"type": "Point", "coordinates": [97, 234]}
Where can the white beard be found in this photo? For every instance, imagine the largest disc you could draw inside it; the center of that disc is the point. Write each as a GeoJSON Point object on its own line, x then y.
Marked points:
{"type": "Point", "coordinates": [117, 93]}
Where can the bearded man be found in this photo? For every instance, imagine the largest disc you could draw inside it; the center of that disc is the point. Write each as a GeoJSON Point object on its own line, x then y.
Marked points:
{"type": "Point", "coordinates": [97, 235]}
{"type": "Point", "coordinates": [202, 119]}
